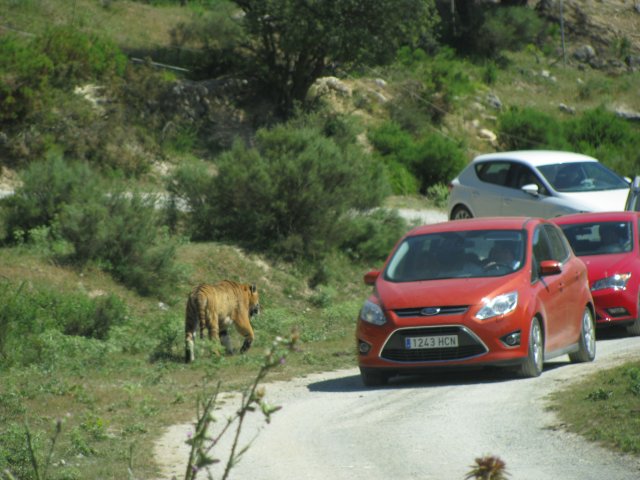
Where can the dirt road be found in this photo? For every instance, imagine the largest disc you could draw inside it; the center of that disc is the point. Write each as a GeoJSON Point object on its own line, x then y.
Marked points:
{"type": "Point", "coordinates": [331, 427]}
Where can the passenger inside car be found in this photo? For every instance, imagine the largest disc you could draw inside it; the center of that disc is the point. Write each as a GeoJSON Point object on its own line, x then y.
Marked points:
{"type": "Point", "coordinates": [613, 238]}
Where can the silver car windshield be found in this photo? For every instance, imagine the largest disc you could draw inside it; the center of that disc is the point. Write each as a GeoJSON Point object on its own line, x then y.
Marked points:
{"type": "Point", "coordinates": [477, 253]}
{"type": "Point", "coordinates": [598, 238]}
{"type": "Point", "coordinates": [581, 177]}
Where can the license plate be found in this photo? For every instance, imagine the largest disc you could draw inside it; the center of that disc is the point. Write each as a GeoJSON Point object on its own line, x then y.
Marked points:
{"type": "Point", "coordinates": [441, 341]}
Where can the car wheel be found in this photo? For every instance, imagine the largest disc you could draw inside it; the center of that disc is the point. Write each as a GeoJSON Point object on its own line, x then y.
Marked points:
{"type": "Point", "coordinates": [460, 213]}
{"type": "Point", "coordinates": [532, 367]}
{"type": "Point", "coordinates": [587, 350]}
{"type": "Point", "coordinates": [634, 328]}
{"type": "Point", "coordinates": [373, 378]}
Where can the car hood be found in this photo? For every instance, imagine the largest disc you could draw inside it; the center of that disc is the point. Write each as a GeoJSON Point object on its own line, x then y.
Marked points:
{"type": "Point", "coordinates": [600, 201]}
{"type": "Point", "coordinates": [602, 266]}
{"type": "Point", "coordinates": [447, 292]}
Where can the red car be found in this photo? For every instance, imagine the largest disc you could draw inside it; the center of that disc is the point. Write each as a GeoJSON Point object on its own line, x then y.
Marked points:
{"type": "Point", "coordinates": [607, 243]}
{"type": "Point", "coordinates": [504, 291]}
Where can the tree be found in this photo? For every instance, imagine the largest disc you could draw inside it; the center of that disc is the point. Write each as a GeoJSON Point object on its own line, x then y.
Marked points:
{"type": "Point", "coordinates": [291, 43]}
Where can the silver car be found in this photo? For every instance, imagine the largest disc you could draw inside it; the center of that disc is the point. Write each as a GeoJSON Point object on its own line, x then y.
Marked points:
{"type": "Point", "coordinates": [537, 183]}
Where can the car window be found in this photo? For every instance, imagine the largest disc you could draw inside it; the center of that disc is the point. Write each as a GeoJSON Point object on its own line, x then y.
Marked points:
{"type": "Point", "coordinates": [596, 238]}
{"type": "Point", "coordinates": [541, 251]}
{"type": "Point", "coordinates": [581, 177]}
{"type": "Point", "coordinates": [557, 243]}
{"type": "Point", "coordinates": [482, 253]}
{"type": "Point", "coordinates": [493, 172]}
{"type": "Point", "coordinates": [521, 175]}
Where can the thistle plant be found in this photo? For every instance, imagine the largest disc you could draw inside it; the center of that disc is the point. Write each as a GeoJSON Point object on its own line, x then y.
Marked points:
{"type": "Point", "coordinates": [488, 468]}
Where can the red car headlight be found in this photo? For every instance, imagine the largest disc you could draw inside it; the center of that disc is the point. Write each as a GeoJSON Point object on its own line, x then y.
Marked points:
{"type": "Point", "coordinates": [372, 313]}
{"type": "Point", "coordinates": [500, 305]}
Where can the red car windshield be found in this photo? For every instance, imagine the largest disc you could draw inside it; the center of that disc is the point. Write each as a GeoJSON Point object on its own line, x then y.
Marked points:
{"type": "Point", "coordinates": [475, 253]}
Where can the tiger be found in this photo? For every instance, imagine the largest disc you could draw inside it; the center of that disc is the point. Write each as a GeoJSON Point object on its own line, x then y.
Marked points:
{"type": "Point", "coordinates": [215, 307]}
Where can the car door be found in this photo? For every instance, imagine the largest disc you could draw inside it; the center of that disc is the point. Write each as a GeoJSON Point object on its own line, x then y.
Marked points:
{"type": "Point", "coordinates": [488, 196]}
{"type": "Point", "coordinates": [516, 201]}
{"type": "Point", "coordinates": [572, 285]}
{"type": "Point", "coordinates": [549, 291]}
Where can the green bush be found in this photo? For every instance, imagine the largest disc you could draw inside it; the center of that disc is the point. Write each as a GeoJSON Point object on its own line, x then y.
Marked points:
{"type": "Point", "coordinates": [30, 317]}
{"type": "Point", "coordinates": [510, 28]}
{"type": "Point", "coordinates": [528, 128]}
{"type": "Point", "coordinates": [435, 159]}
{"type": "Point", "coordinates": [78, 56]}
{"type": "Point", "coordinates": [24, 75]}
{"type": "Point", "coordinates": [289, 194]}
{"type": "Point", "coordinates": [120, 231]}
{"type": "Point", "coordinates": [370, 237]}
{"type": "Point", "coordinates": [438, 194]}
{"type": "Point", "coordinates": [430, 159]}
{"type": "Point", "coordinates": [47, 186]}
{"type": "Point", "coordinates": [611, 139]}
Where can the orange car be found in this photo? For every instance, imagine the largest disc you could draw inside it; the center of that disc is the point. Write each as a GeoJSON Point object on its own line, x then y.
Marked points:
{"type": "Point", "coordinates": [501, 291]}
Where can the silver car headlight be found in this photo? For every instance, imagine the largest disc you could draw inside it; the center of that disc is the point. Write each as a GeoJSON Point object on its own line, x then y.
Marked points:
{"type": "Point", "coordinates": [500, 305]}
{"type": "Point", "coordinates": [617, 282]}
{"type": "Point", "coordinates": [372, 313]}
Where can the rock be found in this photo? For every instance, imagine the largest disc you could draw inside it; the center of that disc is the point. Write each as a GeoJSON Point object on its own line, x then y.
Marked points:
{"type": "Point", "coordinates": [628, 115]}
{"type": "Point", "coordinates": [493, 101]}
{"type": "Point", "coordinates": [566, 109]}
{"type": "Point", "coordinates": [585, 53]}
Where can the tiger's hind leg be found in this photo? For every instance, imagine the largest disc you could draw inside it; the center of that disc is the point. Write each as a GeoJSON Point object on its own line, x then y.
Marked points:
{"type": "Point", "coordinates": [225, 340]}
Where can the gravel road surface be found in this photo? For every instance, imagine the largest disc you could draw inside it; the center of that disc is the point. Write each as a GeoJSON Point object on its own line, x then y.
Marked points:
{"type": "Point", "coordinates": [331, 427]}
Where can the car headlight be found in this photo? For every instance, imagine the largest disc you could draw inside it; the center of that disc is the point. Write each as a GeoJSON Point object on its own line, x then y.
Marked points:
{"type": "Point", "coordinates": [500, 305]}
{"type": "Point", "coordinates": [372, 313]}
{"type": "Point", "coordinates": [617, 282]}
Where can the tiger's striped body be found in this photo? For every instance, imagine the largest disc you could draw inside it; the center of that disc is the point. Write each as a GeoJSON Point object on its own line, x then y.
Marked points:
{"type": "Point", "coordinates": [215, 307]}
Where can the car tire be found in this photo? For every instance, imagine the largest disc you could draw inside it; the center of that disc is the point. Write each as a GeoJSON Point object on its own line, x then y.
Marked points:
{"type": "Point", "coordinates": [587, 350]}
{"type": "Point", "coordinates": [532, 366]}
{"type": "Point", "coordinates": [373, 378]}
{"type": "Point", "coordinates": [460, 213]}
{"type": "Point", "coordinates": [634, 328]}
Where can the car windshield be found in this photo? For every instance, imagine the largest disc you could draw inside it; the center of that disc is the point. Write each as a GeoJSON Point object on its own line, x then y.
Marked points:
{"type": "Point", "coordinates": [581, 177]}
{"type": "Point", "coordinates": [599, 238]}
{"type": "Point", "coordinates": [476, 253]}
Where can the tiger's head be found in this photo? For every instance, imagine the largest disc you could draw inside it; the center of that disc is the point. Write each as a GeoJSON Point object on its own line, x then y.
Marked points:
{"type": "Point", "coordinates": [254, 300]}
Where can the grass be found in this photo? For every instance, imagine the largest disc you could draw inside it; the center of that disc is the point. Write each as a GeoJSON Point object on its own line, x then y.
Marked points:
{"type": "Point", "coordinates": [115, 397]}
{"type": "Point", "coordinates": [604, 408]}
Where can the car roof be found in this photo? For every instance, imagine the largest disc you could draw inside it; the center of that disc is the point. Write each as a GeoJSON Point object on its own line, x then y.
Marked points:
{"type": "Point", "coordinates": [622, 216]}
{"type": "Point", "coordinates": [536, 157]}
{"type": "Point", "coordinates": [480, 223]}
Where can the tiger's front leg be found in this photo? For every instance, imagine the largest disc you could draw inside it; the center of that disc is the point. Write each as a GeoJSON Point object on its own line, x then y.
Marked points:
{"type": "Point", "coordinates": [189, 348]}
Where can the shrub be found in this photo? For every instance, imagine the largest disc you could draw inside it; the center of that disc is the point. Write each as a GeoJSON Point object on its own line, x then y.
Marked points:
{"type": "Point", "coordinates": [289, 194]}
{"type": "Point", "coordinates": [435, 159]}
{"type": "Point", "coordinates": [370, 237]}
{"type": "Point", "coordinates": [47, 186]}
{"type": "Point", "coordinates": [78, 56]}
{"type": "Point", "coordinates": [23, 76]}
{"type": "Point", "coordinates": [438, 194]}
{"type": "Point", "coordinates": [528, 128]}
{"type": "Point", "coordinates": [29, 317]}
{"type": "Point", "coordinates": [119, 230]}
{"type": "Point", "coordinates": [607, 137]}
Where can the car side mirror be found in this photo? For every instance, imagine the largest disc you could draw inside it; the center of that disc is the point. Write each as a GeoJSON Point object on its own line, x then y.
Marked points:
{"type": "Point", "coordinates": [531, 189]}
{"type": "Point", "coordinates": [550, 267]}
{"type": "Point", "coordinates": [371, 277]}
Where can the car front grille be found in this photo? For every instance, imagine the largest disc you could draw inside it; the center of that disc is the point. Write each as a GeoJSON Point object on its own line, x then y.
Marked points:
{"type": "Point", "coordinates": [418, 311]}
{"type": "Point", "coordinates": [468, 345]}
